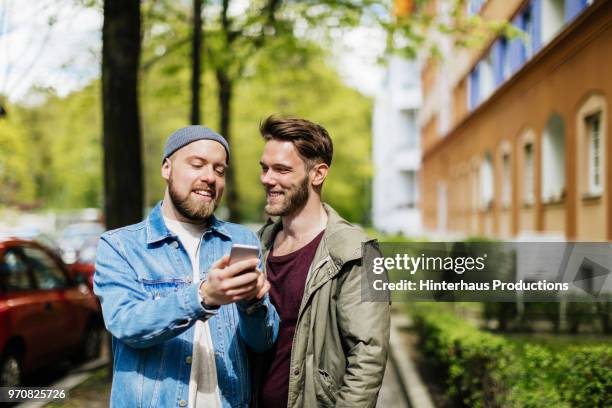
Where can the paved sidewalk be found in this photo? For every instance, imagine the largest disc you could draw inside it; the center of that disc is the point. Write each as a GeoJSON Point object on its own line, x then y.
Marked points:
{"type": "Point", "coordinates": [408, 375]}
{"type": "Point", "coordinates": [391, 393]}
{"type": "Point", "coordinates": [75, 377]}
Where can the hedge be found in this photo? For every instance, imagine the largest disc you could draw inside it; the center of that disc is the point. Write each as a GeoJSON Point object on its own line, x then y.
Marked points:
{"type": "Point", "coordinates": [481, 369]}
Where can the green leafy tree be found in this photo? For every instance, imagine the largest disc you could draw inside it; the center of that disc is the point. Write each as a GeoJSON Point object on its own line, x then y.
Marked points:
{"type": "Point", "coordinates": [16, 184]}
{"type": "Point", "coordinates": [64, 153]}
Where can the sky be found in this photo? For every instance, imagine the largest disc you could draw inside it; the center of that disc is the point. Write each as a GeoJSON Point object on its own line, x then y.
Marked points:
{"type": "Point", "coordinates": [56, 43]}
{"type": "Point", "coordinates": [47, 43]}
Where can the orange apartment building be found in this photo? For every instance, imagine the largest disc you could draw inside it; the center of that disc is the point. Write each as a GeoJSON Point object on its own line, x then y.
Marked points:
{"type": "Point", "coordinates": [516, 135]}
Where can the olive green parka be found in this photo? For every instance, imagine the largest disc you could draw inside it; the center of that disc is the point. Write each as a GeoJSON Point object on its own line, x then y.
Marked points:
{"type": "Point", "coordinates": [340, 344]}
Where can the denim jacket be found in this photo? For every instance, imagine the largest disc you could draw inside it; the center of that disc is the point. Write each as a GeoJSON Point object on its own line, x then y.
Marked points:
{"type": "Point", "coordinates": [150, 305]}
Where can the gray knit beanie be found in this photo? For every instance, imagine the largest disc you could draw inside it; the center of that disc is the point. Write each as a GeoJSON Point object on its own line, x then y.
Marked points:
{"type": "Point", "coordinates": [186, 135]}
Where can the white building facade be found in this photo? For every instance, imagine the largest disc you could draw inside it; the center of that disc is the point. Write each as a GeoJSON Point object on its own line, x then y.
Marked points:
{"type": "Point", "coordinates": [396, 150]}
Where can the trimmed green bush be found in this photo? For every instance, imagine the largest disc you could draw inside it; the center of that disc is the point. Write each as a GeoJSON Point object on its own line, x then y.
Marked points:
{"type": "Point", "coordinates": [587, 376]}
{"type": "Point", "coordinates": [485, 370]}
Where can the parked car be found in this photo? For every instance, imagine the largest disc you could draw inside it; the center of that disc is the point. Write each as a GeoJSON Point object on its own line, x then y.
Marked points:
{"type": "Point", "coordinates": [46, 315]}
{"type": "Point", "coordinates": [85, 269]}
{"type": "Point", "coordinates": [78, 247]}
{"type": "Point", "coordinates": [78, 242]}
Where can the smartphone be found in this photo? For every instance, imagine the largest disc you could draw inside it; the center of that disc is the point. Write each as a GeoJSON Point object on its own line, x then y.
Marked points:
{"type": "Point", "coordinates": [243, 252]}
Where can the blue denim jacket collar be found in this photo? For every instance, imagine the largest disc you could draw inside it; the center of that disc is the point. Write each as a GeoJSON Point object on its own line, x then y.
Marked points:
{"type": "Point", "coordinates": [158, 231]}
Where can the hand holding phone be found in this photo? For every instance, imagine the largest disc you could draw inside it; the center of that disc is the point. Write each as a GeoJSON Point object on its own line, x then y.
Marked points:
{"type": "Point", "coordinates": [243, 252]}
{"type": "Point", "coordinates": [225, 285]}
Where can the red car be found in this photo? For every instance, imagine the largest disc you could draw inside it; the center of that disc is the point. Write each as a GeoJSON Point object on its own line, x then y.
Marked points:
{"type": "Point", "coordinates": [46, 314]}
{"type": "Point", "coordinates": [86, 270]}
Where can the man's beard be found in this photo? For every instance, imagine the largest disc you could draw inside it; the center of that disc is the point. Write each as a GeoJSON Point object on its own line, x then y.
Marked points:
{"type": "Point", "coordinates": [293, 200]}
{"type": "Point", "coordinates": [189, 207]}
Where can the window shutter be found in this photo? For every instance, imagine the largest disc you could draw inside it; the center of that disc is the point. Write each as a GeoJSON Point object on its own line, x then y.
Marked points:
{"type": "Point", "coordinates": [497, 52]}
{"type": "Point", "coordinates": [574, 7]}
{"type": "Point", "coordinates": [515, 48]}
{"type": "Point", "coordinates": [474, 86]}
{"type": "Point", "coordinates": [536, 24]}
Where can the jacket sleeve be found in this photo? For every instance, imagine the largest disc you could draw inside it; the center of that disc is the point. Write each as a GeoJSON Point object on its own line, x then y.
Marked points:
{"type": "Point", "coordinates": [259, 324]}
{"type": "Point", "coordinates": [132, 316]}
{"type": "Point", "coordinates": [259, 321]}
{"type": "Point", "coordinates": [364, 327]}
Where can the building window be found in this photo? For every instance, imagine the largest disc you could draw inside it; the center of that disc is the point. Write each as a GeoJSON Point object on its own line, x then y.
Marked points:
{"type": "Point", "coordinates": [486, 183]}
{"type": "Point", "coordinates": [553, 160]}
{"type": "Point", "coordinates": [575, 7]}
{"type": "Point", "coordinates": [474, 88]}
{"type": "Point", "coordinates": [409, 189]}
{"type": "Point", "coordinates": [528, 190]}
{"type": "Point", "coordinates": [553, 17]}
{"type": "Point", "coordinates": [593, 125]}
{"type": "Point", "coordinates": [506, 180]}
{"type": "Point", "coordinates": [487, 78]}
{"type": "Point", "coordinates": [527, 27]}
{"type": "Point", "coordinates": [408, 129]}
{"type": "Point", "coordinates": [481, 82]}
{"type": "Point", "coordinates": [503, 66]}
{"type": "Point", "coordinates": [506, 67]}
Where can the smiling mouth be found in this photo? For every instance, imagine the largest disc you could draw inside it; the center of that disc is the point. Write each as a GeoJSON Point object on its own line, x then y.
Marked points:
{"type": "Point", "coordinates": [205, 193]}
{"type": "Point", "coordinates": [274, 194]}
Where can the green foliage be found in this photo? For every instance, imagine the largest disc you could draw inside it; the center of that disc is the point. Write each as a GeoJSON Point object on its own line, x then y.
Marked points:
{"type": "Point", "coordinates": [16, 182]}
{"type": "Point", "coordinates": [470, 360]}
{"type": "Point", "coordinates": [590, 371]}
{"type": "Point", "coordinates": [64, 153]}
{"type": "Point", "coordinates": [486, 370]}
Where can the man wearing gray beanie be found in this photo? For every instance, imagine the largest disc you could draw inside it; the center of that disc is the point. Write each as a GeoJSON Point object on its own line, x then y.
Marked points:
{"type": "Point", "coordinates": [181, 317]}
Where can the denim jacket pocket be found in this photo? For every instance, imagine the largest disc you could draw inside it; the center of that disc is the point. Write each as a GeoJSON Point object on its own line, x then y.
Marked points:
{"type": "Point", "coordinates": [159, 288]}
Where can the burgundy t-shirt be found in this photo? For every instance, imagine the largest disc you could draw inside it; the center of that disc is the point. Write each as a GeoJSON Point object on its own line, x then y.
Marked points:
{"type": "Point", "coordinates": [287, 275]}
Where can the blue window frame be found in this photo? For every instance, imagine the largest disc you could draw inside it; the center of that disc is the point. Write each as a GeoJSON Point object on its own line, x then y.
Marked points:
{"type": "Point", "coordinates": [508, 56]}
{"type": "Point", "coordinates": [515, 49]}
{"type": "Point", "coordinates": [528, 22]}
{"type": "Point", "coordinates": [474, 88]}
{"type": "Point", "coordinates": [574, 7]}
{"type": "Point", "coordinates": [501, 60]}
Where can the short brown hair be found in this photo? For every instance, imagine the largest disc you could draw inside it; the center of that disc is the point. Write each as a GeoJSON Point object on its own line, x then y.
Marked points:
{"type": "Point", "coordinates": [310, 139]}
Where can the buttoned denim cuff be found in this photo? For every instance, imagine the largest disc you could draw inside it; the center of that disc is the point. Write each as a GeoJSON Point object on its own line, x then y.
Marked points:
{"type": "Point", "coordinates": [250, 307]}
{"type": "Point", "coordinates": [192, 304]}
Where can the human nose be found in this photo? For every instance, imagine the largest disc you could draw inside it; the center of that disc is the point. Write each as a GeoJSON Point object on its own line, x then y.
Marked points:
{"type": "Point", "coordinates": [207, 175]}
{"type": "Point", "coordinates": [266, 178]}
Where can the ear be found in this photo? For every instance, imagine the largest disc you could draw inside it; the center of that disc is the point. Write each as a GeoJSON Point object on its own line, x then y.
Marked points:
{"type": "Point", "coordinates": [318, 174]}
{"type": "Point", "coordinates": [166, 169]}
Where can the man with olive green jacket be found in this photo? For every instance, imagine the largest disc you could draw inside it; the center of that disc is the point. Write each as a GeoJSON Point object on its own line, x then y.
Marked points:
{"type": "Point", "coordinates": [332, 346]}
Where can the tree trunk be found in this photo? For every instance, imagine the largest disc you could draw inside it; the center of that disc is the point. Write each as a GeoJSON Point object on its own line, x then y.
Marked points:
{"type": "Point", "coordinates": [196, 53]}
{"type": "Point", "coordinates": [123, 183]}
{"type": "Point", "coordinates": [225, 85]}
